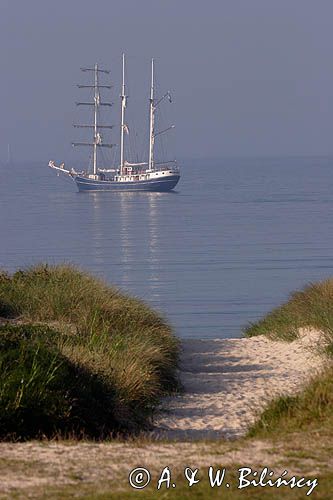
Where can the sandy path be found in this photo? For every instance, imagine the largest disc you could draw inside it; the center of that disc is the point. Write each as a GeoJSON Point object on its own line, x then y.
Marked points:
{"type": "Point", "coordinates": [228, 381]}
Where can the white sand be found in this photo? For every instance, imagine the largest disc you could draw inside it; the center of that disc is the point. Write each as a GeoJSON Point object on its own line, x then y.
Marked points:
{"type": "Point", "coordinates": [227, 382]}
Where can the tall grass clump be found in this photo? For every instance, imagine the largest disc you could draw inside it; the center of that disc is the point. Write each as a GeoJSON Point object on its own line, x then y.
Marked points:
{"type": "Point", "coordinates": [312, 409]}
{"type": "Point", "coordinates": [310, 307]}
{"type": "Point", "coordinates": [42, 393]}
{"type": "Point", "coordinates": [101, 342]}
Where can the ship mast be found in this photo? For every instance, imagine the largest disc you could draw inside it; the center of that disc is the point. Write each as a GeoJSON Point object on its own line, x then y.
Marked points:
{"type": "Point", "coordinates": [122, 126]}
{"type": "Point", "coordinates": [151, 120]}
{"type": "Point", "coordinates": [97, 137]}
{"type": "Point", "coordinates": [96, 102]}
{"type": "Point", "coordinates": [9, 156]}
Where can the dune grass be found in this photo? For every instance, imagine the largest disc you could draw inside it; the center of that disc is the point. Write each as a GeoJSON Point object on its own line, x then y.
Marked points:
{"type": "Point", "coordinates": [310, 307]}
{"type": "Point", "coordinates": [311, 409]}
{"type": "Point", "coordinates": [71, 336]}
{"type": "Point", "coordinates": [42, 393]}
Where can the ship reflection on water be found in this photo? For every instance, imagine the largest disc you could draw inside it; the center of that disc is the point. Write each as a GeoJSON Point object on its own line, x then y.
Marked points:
{"type": "Point", "coordinates": [126, 241]}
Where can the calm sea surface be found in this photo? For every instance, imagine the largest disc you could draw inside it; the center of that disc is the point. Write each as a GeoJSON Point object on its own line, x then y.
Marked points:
{"type": "Point", "coordinates": [231, 243]}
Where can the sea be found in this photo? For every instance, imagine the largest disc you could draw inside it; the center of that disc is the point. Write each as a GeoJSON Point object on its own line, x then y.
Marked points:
{"type": "Point", "coordinates": [230, 243]}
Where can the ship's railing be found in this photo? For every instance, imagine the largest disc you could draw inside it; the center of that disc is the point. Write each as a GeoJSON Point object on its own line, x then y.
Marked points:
{"type": "Point", "coordinates": [165, 166]}
{"type": "Point", "coordinates": [141, 168]}
{"type": "Point", "coordinates": [130, 170]}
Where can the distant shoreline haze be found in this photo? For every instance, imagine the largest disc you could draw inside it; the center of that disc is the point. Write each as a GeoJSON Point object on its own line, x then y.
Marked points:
{"type": "Point", "coordinates": [183, 161]}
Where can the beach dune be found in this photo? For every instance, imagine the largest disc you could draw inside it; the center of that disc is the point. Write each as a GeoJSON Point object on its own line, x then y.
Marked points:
{"type": "Point", "coordinates": [228, 382]}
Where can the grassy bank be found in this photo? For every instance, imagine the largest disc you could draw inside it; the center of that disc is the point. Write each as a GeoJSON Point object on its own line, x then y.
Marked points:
{"type": "Point", "coordinates": [310, 307]}
{"type": "Point", "coordinates": [78, 357]}
{"type": "Point", "coordinates": [309, 411]}
{"type": "Point", "coordinates": [312, 409]}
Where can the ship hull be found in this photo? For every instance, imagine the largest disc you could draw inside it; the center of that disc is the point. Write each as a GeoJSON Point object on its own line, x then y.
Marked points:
{"type": "Point", "coordinates": [159, 185]}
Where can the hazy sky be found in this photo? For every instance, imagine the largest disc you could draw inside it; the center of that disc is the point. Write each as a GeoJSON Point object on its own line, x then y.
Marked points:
{"type": "Point", "coordinates": [249, 77]}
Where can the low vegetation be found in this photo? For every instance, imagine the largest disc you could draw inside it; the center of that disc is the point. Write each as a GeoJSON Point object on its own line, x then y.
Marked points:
{"type": "Point", "coordinates": [310, 307]}
{"type": "Point", "coordinates": [78, 357]}
{"type": "Point", "coordinates": [312, 409]}
{"type": "Point", "coordinates": [200, 491]}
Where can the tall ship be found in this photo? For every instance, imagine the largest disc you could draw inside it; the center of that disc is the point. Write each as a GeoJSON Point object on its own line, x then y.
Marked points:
{"type": "Point", "coordinates": [148, 175]}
